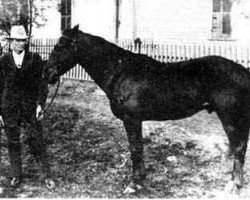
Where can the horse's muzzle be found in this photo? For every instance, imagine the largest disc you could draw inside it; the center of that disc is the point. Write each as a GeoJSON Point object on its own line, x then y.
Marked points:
{"type": "Point", "coordinates": [51, 75]}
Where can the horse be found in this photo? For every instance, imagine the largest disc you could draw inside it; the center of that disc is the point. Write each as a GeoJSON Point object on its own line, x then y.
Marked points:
{"type": "Point", "coordinates": [140, 88]}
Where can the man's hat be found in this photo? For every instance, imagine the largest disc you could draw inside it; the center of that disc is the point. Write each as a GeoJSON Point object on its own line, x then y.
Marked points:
{"type": "Point", "coordinates": [18, 32]}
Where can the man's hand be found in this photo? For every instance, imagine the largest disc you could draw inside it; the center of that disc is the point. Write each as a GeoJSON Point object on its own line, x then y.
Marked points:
{"type": "Point", "coordinates": [1, 121]}
{"type": "Point", "coordinates": [39, 113]}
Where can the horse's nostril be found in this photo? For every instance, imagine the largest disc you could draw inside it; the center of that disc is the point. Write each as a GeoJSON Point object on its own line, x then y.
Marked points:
{"type": "Point", "coordinates": [53, 76]}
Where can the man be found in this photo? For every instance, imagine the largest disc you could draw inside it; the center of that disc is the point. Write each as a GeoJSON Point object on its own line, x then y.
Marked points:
{"type": "Point", "coordinates": [23, 94]}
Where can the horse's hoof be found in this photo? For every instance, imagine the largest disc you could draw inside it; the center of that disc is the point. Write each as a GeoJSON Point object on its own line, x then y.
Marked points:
{"type": "Point", "coordinates": [1, 190]}
{"type": "Point", "coordinates": [232, 188]}
{"type": "Point", "coordinates": [15, 182]}
{"type": "Point", "coordinates": [132, 188]}
{"type": "Point", "coordinates": [50, 184]}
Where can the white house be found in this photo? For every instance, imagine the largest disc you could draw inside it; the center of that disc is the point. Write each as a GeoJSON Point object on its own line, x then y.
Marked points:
{"type": "Point", "coordinates": [189, 21]}
{"type": "Point", "coordinates": [166, 20]}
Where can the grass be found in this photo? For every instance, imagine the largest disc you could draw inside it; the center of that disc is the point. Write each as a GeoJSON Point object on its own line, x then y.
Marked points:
{"type": "Point", "coordinates": [89, 153]}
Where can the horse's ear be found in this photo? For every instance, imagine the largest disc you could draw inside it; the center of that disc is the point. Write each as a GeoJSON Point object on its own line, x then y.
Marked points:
{"type": "Point", "coordinates": [76, 28]}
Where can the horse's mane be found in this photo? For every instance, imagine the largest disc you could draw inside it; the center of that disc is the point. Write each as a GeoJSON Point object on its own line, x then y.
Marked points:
{"type": "Point", "coordinates": [141, 61]}
{"type": "Point", "coordinates": [111, 47]}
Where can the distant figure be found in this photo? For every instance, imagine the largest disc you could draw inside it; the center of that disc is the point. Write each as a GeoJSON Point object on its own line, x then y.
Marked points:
{"type": "Point", "coordinates": [2, 41]}
{"type": "Point", "coordinates": [23, 94]}
{"type": "Point", "coordinates": [1, 49]}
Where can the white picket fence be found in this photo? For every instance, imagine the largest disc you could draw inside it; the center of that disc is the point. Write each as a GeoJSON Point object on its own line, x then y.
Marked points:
{"type": "Point", "coordinates": [176, 52]}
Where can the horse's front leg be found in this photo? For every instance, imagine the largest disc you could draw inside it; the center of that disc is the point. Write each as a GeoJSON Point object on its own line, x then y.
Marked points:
{"type": "Point", "coordinates": [134, 132]}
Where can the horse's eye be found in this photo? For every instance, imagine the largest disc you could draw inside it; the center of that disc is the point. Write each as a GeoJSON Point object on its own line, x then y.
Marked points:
{"type": "Point", "coordinates": [58, 47]}
{"type": "Point", "coordinates": [63, 41]}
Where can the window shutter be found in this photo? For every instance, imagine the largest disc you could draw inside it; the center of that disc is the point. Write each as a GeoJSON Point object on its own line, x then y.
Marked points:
{"type": "Point", "coordinates": [65, 14]}
{"type": "Point", "coordinates": [221, 19]}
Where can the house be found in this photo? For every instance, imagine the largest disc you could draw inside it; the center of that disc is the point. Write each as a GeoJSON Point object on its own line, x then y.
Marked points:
{"type": "Point", "coordinates": [192, 21]}
{"type": "Point", "coordinates": [179, 21]}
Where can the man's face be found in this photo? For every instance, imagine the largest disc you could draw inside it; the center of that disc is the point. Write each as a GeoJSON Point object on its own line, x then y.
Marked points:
{"type": "Point", "coordinates": [18, 45]}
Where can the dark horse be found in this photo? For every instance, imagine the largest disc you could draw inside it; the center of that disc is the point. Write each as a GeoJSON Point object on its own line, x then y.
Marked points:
{"type": "Point", "coordinates": [140, 88]}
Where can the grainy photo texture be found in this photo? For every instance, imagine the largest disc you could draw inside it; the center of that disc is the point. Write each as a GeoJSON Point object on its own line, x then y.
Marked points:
{"type": "Point", "coordinates": [124, 98]}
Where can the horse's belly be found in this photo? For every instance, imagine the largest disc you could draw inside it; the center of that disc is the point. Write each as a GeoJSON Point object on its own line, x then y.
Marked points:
{"type": "Point", "coordinates": [157, 109]}
{"type": "Point", "coordinates": [161, 102]}
{"type": "Point", "coordinates": [167, 112]}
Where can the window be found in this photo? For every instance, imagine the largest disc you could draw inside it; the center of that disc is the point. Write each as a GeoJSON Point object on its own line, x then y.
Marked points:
{"type": "Point", "coordinates": [65, 14]}
{"type": "Point", "coordinates": [221, 19]}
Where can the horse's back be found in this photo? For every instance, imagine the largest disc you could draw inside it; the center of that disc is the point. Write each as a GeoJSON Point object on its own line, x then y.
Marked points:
{"type": "Point", "coordinates": [208, 68]}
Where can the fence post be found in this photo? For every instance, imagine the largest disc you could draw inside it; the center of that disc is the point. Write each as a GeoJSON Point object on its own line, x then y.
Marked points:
{"type": "Point", "coordinates": [138, 43]}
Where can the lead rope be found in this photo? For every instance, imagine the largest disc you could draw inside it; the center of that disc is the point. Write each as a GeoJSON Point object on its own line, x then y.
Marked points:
{"type": "Point", "coordinates": [44, 110]}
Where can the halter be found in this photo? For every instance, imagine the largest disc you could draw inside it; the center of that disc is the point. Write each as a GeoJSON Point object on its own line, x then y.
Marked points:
{"type": "Point", "coordinates": [44, 110]}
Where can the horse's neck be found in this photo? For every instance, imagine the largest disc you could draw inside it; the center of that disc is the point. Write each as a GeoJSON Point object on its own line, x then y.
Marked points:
{"type": "Point", "coordinates": [102, 67]}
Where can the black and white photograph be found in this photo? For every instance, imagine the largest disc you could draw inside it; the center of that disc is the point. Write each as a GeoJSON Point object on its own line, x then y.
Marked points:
{"type": "Point", "coordinates": [130, 99]}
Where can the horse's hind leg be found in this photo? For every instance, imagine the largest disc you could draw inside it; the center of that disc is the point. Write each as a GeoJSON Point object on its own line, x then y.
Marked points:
{"type": "Point", "coordinates": [236, 125]}
{"type": "Point", "coordinates": [134, 132]}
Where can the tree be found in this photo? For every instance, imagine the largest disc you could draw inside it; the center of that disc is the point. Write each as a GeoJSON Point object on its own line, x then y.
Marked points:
{"type": "Point", "coordinates": [15, 12]}
{"type": "Point", "coordinates": [24, 12]}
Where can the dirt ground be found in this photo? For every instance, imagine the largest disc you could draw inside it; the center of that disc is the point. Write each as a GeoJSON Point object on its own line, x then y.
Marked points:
{"type": "Point", "coordinates": [89, 153]}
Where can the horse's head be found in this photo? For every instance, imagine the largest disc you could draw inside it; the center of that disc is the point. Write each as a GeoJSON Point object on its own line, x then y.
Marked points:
{"type": "Point", "coordinates": [64, 55]}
